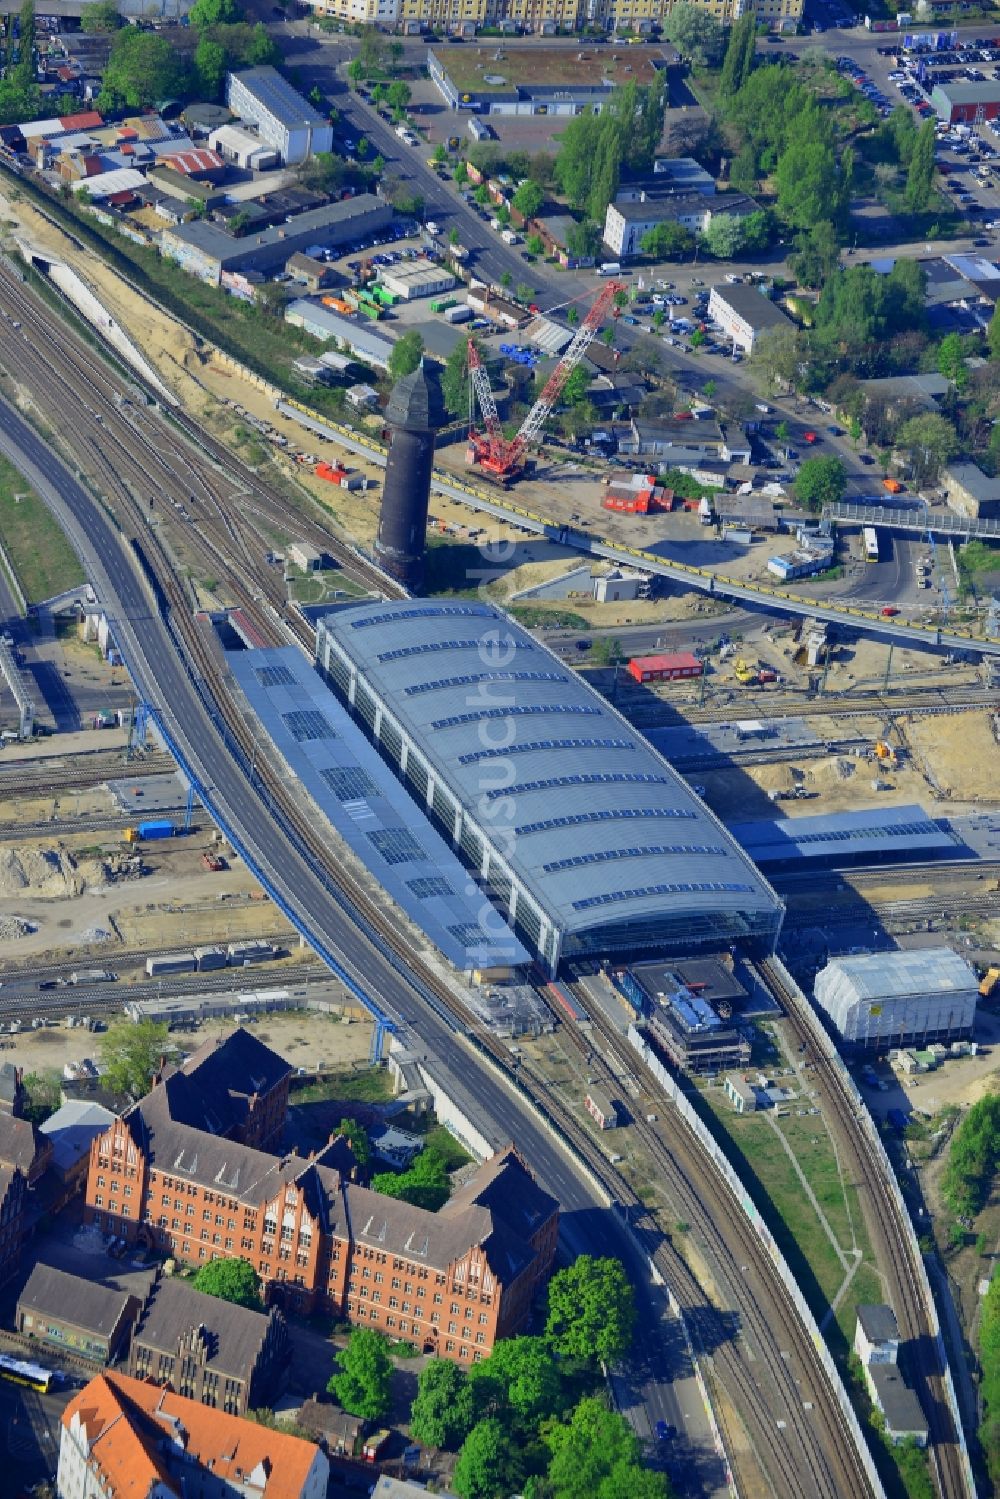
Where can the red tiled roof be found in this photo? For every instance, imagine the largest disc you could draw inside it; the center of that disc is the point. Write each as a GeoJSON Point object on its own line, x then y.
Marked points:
{"type": "Point", "coordinates": [127, 1420]}
{"type": "Point", "coordinates": [88, 120]}
{"type": "Point", "coordinates": [189, 162]}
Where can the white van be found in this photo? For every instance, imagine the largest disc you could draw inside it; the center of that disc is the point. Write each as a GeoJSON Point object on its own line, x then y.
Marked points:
{"type": "Point", "coordinates": [611, 268]}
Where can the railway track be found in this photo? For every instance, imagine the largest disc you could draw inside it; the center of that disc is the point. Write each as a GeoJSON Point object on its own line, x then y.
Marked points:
{"type": "Point", "coordinates": [799, 1455]}
{"type": "Point", "coordinates": [929, 700]}
{"type": "Point", "coordinates": [828, 1461]}
{"type": "Point", "coordinates": [895, 912]}
{"type": "Point", "coordinates": [894, 1246]}
{"type": "Point", "coordinates": [30, 778]}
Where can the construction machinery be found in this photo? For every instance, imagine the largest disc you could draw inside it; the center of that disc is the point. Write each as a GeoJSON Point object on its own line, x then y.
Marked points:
{"type": "Point", "coordinates": [501, 457]}
{"type": "Point", "coordinates": [885, 754]}
{"type": "Point", "coordinates": [990, 984]}
{"type": "Point", "coordinates": [744, 671]}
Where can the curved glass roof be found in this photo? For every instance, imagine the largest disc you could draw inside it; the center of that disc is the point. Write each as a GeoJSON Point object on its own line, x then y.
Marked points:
{"type": "Point", "coordinates": [593, 821]}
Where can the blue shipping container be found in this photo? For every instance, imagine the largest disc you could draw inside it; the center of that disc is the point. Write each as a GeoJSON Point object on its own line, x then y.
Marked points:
{"type": "Point", "coordinates": [163, 828]}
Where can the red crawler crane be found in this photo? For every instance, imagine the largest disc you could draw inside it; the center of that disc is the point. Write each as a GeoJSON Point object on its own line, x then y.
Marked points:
{"type": "Point", "coordinates": [503, 457]}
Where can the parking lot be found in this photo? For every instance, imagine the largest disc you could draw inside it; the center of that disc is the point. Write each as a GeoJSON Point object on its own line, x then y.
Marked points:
{"type": "Point", "coordinates": [965, 154]}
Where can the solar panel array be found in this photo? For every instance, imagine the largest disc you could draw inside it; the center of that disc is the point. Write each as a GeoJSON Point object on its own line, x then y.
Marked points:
{"type": "Point", "coordinates": [307, 724]}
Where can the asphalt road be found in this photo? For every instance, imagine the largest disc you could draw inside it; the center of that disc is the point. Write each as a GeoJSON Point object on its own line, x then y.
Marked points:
{"type": "Point", "coordinates": [587, 1225]}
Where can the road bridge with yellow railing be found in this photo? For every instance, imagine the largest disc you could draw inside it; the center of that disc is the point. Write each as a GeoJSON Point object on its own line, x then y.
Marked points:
{"type": "Point", "coordinates": [782, 600]}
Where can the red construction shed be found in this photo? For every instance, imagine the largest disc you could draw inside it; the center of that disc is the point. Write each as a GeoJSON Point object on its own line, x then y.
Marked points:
{"type": "Point", "coordinates": [665, 668]}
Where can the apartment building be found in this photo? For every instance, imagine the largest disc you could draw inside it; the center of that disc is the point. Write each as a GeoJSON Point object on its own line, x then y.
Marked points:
{"type": "Point", "coordinates": [384, 13]}
{"type": "Point", "coordinates": [13, 1192]}
{"type": "Point", "coordinates": [122, 1438]}
{"type": "Point", "coordinates": [452, 1282]}
{"type": "Point", "coordinates": [286, 121]}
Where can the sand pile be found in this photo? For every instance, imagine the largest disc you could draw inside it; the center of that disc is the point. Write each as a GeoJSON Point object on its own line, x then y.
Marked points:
{"type": "Point", "coordinates": [34, 870]}
{"type": "Point", "coordinates": [959, 752]}
{"type": "Point", "coordinates": [14, 927]}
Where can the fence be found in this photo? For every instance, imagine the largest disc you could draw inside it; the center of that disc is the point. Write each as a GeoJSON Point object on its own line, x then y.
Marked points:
{"type": "Point", "coordinates": [736, 1186]}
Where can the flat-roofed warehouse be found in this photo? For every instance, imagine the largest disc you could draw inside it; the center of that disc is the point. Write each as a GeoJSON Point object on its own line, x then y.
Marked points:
{"type": "Point", "coordinates": [584, 836]}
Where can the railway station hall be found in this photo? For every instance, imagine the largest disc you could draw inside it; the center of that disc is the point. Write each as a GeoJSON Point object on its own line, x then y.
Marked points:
{"type": "Point", "coordinates": [582, 835]}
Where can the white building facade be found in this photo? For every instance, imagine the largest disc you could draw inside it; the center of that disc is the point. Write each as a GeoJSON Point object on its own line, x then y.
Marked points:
{"type": "Point", "coordinates": [284, 120]}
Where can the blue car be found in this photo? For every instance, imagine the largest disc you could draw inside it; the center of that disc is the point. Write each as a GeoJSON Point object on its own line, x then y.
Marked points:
{"type": "Point", "coordinates": [664, 1432]}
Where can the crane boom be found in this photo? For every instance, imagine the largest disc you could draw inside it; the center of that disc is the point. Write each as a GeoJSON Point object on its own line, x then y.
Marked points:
{"type": "Point", "coordinates": [494, 452]}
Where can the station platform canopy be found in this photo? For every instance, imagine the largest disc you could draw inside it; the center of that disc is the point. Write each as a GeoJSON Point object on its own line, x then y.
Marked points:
{"type": "Point", "coordinates": [364, 802]}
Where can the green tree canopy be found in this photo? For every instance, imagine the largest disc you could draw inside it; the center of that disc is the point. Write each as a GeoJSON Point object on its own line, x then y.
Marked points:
{"type": "Point", "coordinates": [364, 1383]}
{"type": "Point", "coordinates": [358, 1137]}
{"type": "Point", "coordinates": [993, 335]}
{"type": "Point", "coordinates": [695, 33]}
{"type": "Point", "coordinates": [920, 177]}
{"type": "Point", "coordinates": [723, 235]}
{"type": "Point", "coordinates": [455, 378]}
{"type": "Point", "coordinates": [667, 241]}
{"type": "Point", "coordinates": [425, 1184]}
{"type": "Point", "coordinates": [989, 1389]}
{"type": "Point", "coordinates": [596, 1455]}
{"type": "Point", "coordinates": [444, 1408]}
{"type": "Point", "coordinates": [527, 1375]}
{"type": "Point", "coordinates": [230, 1280]}
{"type": "Point", "coordinates": [820, 481]}
{"type": "Point", "coordinates": [398, 96]}
{"type": "Point", "coordinates": [210, 66]}
{"type": "Point", "coordinates": [528, 199]}
{"type": "Point", "coordinates": [973, 1161]}
{"type": "Point", "coordinates": [44, 1090]}
{"type": "Point", "coordinates": [406, 354]}
{"type": "Point", "coordinates": [591, 1310]}
{"type": "Point", "coordinates": [951, 360]}
{"type": "Point", "coordinates": [583, 239]}
{"type": "Point", "coordinates": [738, 61]}
{"type": "Point", "coordinates": [817, 254]}
{"type": "Point", "coordinates": [102, 16]}
{"type": "Point", "coordinates": [143, 69]}
{"type": "Point", "coordinates": [593, 149]}
{"type": "Point", "coordinates": [808, 180]}
{"type": "Point", "coordinates": [489, 1464]}
{"type": "Point", "coordinates": [777, 357]}
{"type": "Point", "coordinates": [131, 1053]}
{"type": "Point", "coordinates": [575, 389]}
{"type": "Point", "coordinates": [931, 441]}
{"type": "Point", "coordinates": [214, 13]}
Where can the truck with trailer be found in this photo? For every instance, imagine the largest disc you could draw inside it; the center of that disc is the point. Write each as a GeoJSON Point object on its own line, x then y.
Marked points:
{"type": "Point", "coordinates": [92, 976]}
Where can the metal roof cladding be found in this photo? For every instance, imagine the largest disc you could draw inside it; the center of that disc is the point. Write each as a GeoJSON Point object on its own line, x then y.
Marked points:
{"type": "Point", "coordinates": [355, 789]}
{"type": "Point", "coordinates": [592, 820]}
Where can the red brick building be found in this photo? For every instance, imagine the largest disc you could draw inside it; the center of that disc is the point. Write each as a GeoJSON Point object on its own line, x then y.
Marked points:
{"type": "Point", "coordinates": [167, 1175]}
{"type": "Point", "coordinates": [13, 1191]}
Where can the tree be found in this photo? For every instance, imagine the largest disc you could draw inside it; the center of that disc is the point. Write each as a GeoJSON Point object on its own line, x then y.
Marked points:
{"type": "Point", "coordinates": [596, 1455]}
{"type": "Point", "coordinates": [695, 33]}
{"type": "Point", "coordinates": [591, 1310]}
{"type": "Point", "coordinates": [577, 384]}
{"type": "Point", "coordinates": [777, 355]}
{"type": "Point", "coordinates": [993, 336]}
{"type": "Point", "coordinates": [536, 244]}
{"type": "Point", "coordinates": [738, 61]}
{"type": "Point", "coordinates": [131, 1053]}
{"type": "Point", "coordinates": [210, 66]}
{"type": "Point", "coordinates": [455, 378]}
{"type": "Point", "coordinates": [667, 241]}
{"type": "Point", "coordinates": [920, 177]}
{"type": "Point", "coordinates": [489, 1465]}
{"type": "Point", "coordinates": [364, 1384]}
{"type": "Point", "coordinates": [572, 316]}
{"type": "Point", "coordinates": [143, 69]}
{"type": "Point", "coordinates": [425, 1184]}
{"type": "Point", "coordinates": [528, 199]}
{"type": "Point", "coordinates": [439, 155]}
{"type": "Point", "coordinates": [524, 293]}
{"type": "Point", "coordinates": [820, 481]}
{"type": "Point", "coordinates": [817, 255]}
{"type": "Point", "coordinates": [951, 360]}
{"type": "Point", "coordinates": [357, 1135]}
{"type": "Point", "coordinates": [527, 1374]}
{"type": "Point", "coordinates": [214, 13]}
{"type": "Point", "coordinates": [44, 1090]}
{"type": "Point", "coordinates": [103, 16]}
{"type": "Point", "coordinates": [263, 50]}
{"type": "Point", "coordinates": [583, 239]}
{"type": "Point", "coordinates": [406, 355]}
{"type": "Point", "coordinates": [808, 181]}
{"type": "Point", "coordinates": [230, 1280]}
{"type": "Point", "coordinates": [443, 1409]}
{"type": "Point", "coordinates": [931, 441]}
{"type": "Point", "coordinates": [723, 236]}
{"type": "Point", "coordinates": [398, 96]}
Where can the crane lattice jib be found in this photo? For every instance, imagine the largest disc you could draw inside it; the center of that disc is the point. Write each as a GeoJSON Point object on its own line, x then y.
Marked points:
{"type": "Point", "coordinates": [584, 337]}
{"type": "Point", "coordinates": [487, 404]}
